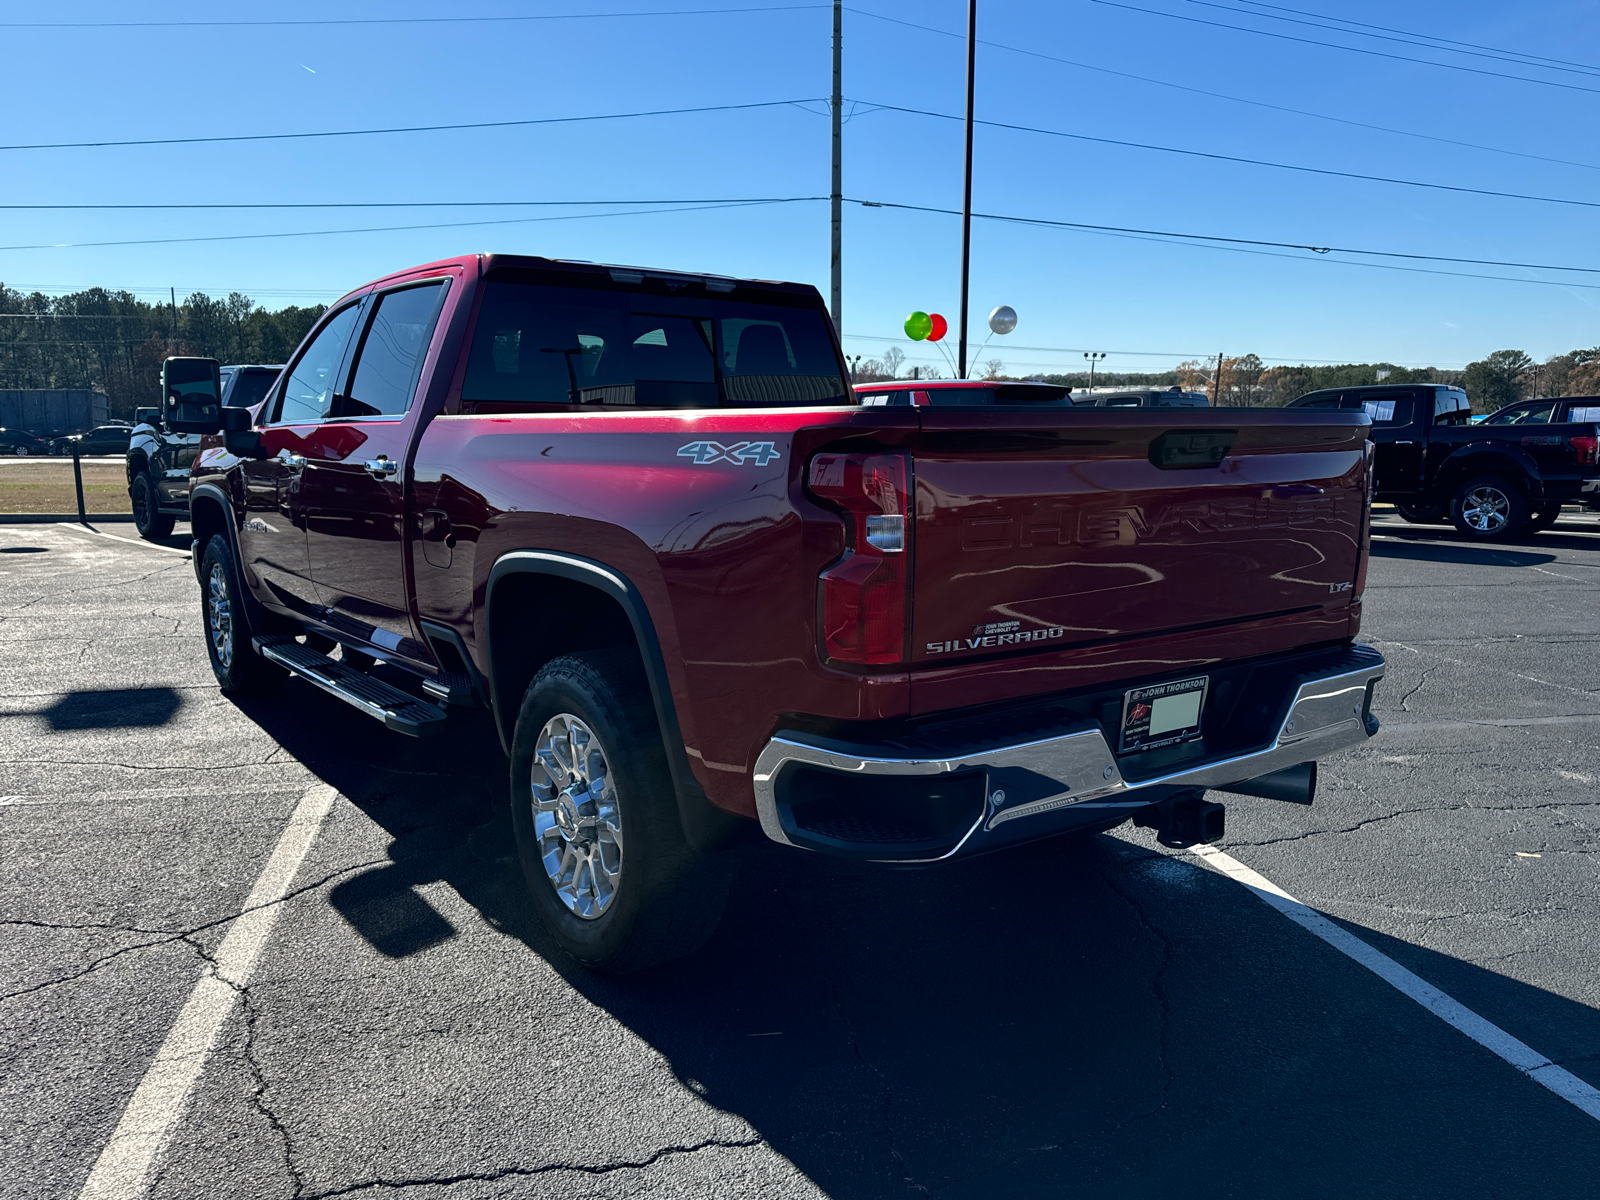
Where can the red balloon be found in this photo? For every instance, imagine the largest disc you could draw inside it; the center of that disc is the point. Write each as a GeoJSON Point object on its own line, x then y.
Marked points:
{"type": "Point", "coordinates": [940, 327]}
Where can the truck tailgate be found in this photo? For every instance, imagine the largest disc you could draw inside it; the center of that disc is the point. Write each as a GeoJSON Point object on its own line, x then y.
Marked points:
{"type": "Point", "coordinates": [1036, 532]}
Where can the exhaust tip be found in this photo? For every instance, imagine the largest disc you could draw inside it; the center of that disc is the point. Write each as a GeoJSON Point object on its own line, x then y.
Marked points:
{"type": "Point", "coordinates": [1293, 785]}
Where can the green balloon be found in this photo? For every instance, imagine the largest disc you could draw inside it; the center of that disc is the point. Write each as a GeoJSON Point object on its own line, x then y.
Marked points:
{"type": "Point", "coordinates": [918, 326]}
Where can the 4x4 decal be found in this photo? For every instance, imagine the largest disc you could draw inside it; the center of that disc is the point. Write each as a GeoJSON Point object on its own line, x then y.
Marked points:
{"type": "Point", "coordinates": [759, 453]}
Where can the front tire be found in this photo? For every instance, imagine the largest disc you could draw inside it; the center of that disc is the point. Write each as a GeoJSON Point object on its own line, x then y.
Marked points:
{"type": "Point", "coordinates": [1489, 508]}
{"type": "Point", "coordinates": [153, 524]}
{"type": "Point", "coordinates": [240, 671]}
{"type": "Point", "coordinates": [596, 820]}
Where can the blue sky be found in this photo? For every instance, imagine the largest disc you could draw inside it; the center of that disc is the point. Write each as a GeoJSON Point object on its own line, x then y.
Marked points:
{"type": "Point", "coordinates": [1149, 303]}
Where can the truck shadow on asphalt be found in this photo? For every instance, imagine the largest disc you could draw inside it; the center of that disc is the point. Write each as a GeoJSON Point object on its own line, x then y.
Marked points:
{"type": "Point", "coordinates": [115, 708]}
{"type": "Point", "coordinates": [1086, 1018]}
{"type": "Point", "coordinates": [1456, 552]}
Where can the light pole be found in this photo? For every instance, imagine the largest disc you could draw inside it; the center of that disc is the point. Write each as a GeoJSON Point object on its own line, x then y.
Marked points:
{"type": "Point", "coordinates": [1093, 356]}
{"type": "Point", "coordinates": [855, 365]}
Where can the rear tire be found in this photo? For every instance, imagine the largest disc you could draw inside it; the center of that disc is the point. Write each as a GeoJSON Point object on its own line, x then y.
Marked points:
{"type": "Point", "coordinates": [596, 820]}
{"type": "Point", "coordinates": [1424, 514]}
{"type": "Point", "coordinates": [1545, 516]}
{"type": "Point", "coordinates": [240, 671]}
{"type": "Point", "coordinates": [1489, 508]}
{"type": "Point", "coordinates": [153, 524]}
{"type": "Point", "coordinates": [20, 451]}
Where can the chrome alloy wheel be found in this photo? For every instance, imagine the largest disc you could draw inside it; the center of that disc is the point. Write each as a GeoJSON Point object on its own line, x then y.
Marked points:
{"type": "Point", "coordinates": [1486, 509]}
{"type": "Point", "coordinates": [575, 816]}
{"type": "Point", "coordinates": [219, 615]}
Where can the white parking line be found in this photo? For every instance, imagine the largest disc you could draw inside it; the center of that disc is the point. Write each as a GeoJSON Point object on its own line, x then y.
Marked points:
{"type": "Point", "coordinates": [117, 537]}
{"type": "Point", "coordinates": [1488, 1035]}
{"type": "Point", "coordinates": [159, 1100]}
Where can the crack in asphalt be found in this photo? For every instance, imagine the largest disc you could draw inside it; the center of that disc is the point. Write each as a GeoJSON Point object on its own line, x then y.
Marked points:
{"type": "Point", "coordinates": [1421, 683]}
{"type": "Point", "coordinates": [176, 935]}
{"type": "Point", "coordinates": [1404, 812]}
{"type": "Point", "coordinates": [887, 1109]}
{"type": "Point", "coordinates": [527, 1172]}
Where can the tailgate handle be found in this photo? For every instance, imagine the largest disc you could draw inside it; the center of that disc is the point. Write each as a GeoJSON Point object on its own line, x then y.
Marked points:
{"type": "Point", "coordinates": [1185, 449]}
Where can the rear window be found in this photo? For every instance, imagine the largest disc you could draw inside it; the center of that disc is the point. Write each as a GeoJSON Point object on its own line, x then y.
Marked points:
{"type": "Point", "coordinates": [1016, 393]}
{"type": "Point", "coordinates": [250, 387]}
{"type": "Point", "coordinates": [548, 346]}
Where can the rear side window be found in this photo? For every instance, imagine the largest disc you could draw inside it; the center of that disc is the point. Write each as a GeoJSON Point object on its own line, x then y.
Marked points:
{"type": "Point", "coordinates": [1389, 410]}
{"type": "Point", "coordinates": [884, 399]}
{"type": "Point", "coordinates": [1581, 413]}
{"type": "Point", "coordinates": [546, 346]}
{"type": "Point", "coordinates": [391, 353]}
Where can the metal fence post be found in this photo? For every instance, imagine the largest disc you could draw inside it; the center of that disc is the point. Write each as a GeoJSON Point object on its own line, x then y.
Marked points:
{"type": "Point", "coordinates": [77, 478]}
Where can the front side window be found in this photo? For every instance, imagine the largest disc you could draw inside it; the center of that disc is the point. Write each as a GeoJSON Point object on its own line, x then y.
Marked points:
{"type": "Point", "coordinates": [307, 393]}
{"type": "Point", "coordinates": [1532, 414]}
{"type": "Point", "coordinates": [559, 346]}
{"type": "Point", "coordinates": [391, 353]}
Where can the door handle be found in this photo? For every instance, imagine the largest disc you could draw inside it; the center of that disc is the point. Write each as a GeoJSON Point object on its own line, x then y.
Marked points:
{"type": "Point", "coordinates": [1402, 443]}
{"type": "Point", "coordinates": [382, 468]}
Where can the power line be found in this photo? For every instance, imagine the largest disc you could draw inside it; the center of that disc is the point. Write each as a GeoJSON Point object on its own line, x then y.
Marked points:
{"type": "Point", "coordinates": [1255, 162]}
{"type": "Point", "coordinates": [250, 237]}
{"type": "Point", "coordinates": [1239, 245]}
{"type": "Point", "coordinates": [384, 204]}
{"type": "Point", "coordinates": [1286, 37]}
{"type": "Point", "coordinates": [334, 133]}
{"type": "Point", "coordinates": [1537, 59]}
{"type": "Point", "coordinates": [1182, 87]}
{"type": "Point", "coordinates": [679, 12]}
{"type": "Point", "coordinates": [1494, 55]}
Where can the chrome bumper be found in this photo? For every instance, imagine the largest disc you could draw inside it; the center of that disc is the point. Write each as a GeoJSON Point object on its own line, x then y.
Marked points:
{"type": "Point", "coordinates": [1327, 715]}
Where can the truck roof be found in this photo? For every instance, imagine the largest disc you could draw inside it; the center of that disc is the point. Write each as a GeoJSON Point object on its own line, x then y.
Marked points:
{"type": "Point", "coordinates": [582, 273]}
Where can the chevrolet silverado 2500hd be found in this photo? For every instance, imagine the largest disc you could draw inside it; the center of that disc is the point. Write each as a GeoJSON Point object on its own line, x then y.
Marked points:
{"type": "Point", "coordinates": [639, 518]}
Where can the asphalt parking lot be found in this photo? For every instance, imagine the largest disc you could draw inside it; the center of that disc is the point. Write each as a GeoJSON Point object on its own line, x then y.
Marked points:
{"type": "Point", "coordinates": [1106, 1018]}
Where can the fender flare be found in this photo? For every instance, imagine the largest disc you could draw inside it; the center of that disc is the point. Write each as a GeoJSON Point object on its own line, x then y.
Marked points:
{"type": "Point", "coordinates": [255, 615]}
{"type": "Point", "coordinates": [706, 826]}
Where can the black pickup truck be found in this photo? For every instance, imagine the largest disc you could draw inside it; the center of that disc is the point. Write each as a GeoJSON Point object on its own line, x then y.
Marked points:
{"type": "Point", "coordinates": [1492, 481]}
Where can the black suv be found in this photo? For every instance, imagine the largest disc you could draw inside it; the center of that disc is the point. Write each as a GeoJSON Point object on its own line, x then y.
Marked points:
{"type": "Point", "coordinates": [103, 439]}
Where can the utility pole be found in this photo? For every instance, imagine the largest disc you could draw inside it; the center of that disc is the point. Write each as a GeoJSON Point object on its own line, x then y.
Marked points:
{"type": "Point", "coordinates": [1216, 386]}
{"type": "Point", "coordinates": [174, 318]}
{"type": "Point", "coordinates": [966, 187]}
{"type": "Point", "coordinates": [838, 189]}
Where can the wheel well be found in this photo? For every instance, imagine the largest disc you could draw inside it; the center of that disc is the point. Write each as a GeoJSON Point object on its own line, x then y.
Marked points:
{"type": "Point", "coordinates": [536, 618]}
{"type": "Point", "coordinates": [137, 462]}
{"type": "Point", "coordinates": [205, 521]}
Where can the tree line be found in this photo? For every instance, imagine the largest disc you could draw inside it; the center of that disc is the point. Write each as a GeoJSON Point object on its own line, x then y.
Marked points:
{"type": "Point", "coordinates": [114, 342]}
{"type": "Point", "coordinates": [1491, 383]}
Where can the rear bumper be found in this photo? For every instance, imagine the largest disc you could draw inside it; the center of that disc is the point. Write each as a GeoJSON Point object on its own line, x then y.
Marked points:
{"type": "Point", "coordinates": [1018, 791]}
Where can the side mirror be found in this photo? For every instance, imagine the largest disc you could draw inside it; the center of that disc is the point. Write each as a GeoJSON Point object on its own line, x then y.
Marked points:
{"type": "Point", "coordinates": [191, 391]}
{"type": "Point", "coordinates": [239, 437]}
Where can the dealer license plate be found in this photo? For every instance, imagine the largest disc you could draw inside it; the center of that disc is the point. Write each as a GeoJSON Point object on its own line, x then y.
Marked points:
{"type": "Point", "coordinates": [1163, 713]}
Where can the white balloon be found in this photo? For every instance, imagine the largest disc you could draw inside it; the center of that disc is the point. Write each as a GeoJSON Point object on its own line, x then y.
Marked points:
{"type": "Point", "coordinates": [1003, 319]}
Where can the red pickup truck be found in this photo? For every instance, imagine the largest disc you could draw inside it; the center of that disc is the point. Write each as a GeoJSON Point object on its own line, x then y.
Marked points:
{"type": "Point", "coordinates": [640, 519]}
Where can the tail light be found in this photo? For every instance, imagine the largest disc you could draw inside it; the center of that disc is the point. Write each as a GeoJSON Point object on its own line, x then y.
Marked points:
{"type": "Point", "coordinates": [864, 593]}
{"type": "Point", "coordinates": [1364, 543]}
{"type": "Point", "coordinates": [1588, 449]}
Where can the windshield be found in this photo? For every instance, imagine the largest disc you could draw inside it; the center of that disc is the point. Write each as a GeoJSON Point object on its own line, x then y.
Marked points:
{"type": "Point", "coordinates": [559, 346]}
